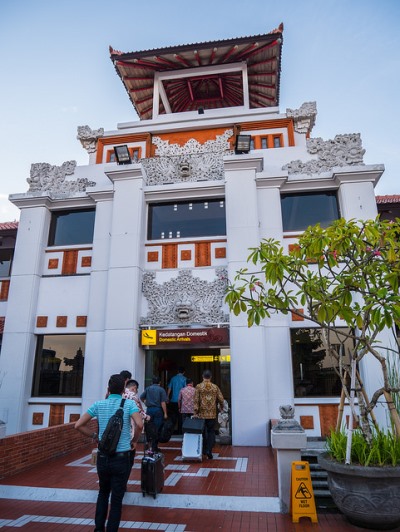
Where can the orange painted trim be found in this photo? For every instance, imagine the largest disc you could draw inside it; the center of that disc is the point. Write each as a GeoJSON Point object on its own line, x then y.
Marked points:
{"type": "Point", "coordinates": [132, 151]}
{"type": "Point", "coordinates": [290, 131]}
{"type": "Point", "coordinates": [266, 124]}
{"type": "Point", "coordinates": [119, 139]}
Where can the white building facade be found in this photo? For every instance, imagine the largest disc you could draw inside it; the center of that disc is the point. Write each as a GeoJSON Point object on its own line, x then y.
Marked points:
{"type": "Point", "coordinates": [125, 266]}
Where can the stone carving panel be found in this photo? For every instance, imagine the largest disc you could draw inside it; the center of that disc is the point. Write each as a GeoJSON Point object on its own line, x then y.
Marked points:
{"type": "Point", "coordinates": [185, 299]}
{"type": "Point", "coordinates": [219, 145]}
{"type": "Point", "coordinates": [303, 118]}
{"type": "Point", "coordinates": [88, 137]}
{"type": "Point", "coordinates": [343, 150]}
{"type": "Point", "coordinates": [191, 162]}
{"type": "Point", "coordinates": [45, 177]}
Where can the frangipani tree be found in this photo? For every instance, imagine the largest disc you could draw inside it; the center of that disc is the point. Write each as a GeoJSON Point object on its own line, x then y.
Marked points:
{"type": "Point", "coordinates": [343, 278]}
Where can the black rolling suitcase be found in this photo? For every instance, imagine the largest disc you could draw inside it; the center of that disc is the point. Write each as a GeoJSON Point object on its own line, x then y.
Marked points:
{"type": "Point", "coordinates": [152, 475]}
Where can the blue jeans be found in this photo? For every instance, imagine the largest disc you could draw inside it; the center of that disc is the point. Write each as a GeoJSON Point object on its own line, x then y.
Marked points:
{"type": "Point", "coordinates": [113, 472]}
{"type": "Point", "coordinates": [157, 417]}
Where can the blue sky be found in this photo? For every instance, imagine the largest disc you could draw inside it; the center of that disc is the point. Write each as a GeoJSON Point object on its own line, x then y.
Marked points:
{"type": "Point", "coordinates": [57, 74]}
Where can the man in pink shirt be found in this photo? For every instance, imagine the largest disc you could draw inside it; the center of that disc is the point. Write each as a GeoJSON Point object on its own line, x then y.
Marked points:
{"type": "Point", "coordinates": [186, 400]}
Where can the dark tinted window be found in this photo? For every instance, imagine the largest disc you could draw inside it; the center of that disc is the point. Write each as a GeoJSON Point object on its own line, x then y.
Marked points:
{"type": "Point", "coordinates": [59, 365]}
{"type": "Point", "coordinates": [71, 227]}
{"type": "Point", "coordinates": [6, 256]}
{"type": "Point", "coordinates": [187, 219]}
{"type": "Point", "coordinates": [314, 372]}
{"type": "Point", "coordinates": [301, 210]}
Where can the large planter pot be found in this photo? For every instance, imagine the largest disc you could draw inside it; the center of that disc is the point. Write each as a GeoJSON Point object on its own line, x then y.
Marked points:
{"type": "Point", "coordinates": [367, 496]}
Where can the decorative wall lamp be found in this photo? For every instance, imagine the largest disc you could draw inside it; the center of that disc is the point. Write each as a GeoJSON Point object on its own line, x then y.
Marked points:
{"type": "Point", "coordinates": [122, 154]}
{"type": "Point", "coordinates": [242, 144]}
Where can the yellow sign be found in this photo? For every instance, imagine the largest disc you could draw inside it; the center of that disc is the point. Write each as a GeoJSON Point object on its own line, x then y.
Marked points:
{"type": "Point", "coordinates": [302, 496]}
{"type": "Point", "coordinates": [202, 358]}
{"type": "Point", "coordinates": [149, 337]}
{"type": "Point", "coordinates": [211, 358]}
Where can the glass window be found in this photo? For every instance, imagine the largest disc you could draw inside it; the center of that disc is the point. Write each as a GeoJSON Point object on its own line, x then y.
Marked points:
{"type": "Point", "coordinates": [277, 142]}
{"type": "Point", "coordinates": [187, 219]}
{"type": "Point", "coordinates": [264, 143]}
{"type": "Point", "coordinates": [71, 227]}
{"type": "Point", "coordinates": [302, 210]}
{"type": "Point", "coordinates": [313, 368]}
{"type": "Point", "coordinates": [59, 365]}
{"type": "Point", "coordinates": [6, 256]}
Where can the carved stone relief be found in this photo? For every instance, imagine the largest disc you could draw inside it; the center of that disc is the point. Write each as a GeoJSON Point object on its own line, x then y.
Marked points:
{"type": "Point", "coordinates": [303, 118]}
{"type": "Point", "coordinates": [185, 299]}
{"type": "Point", "coordinates": [45, 177]}
{"type": "Point", "coordinates": [343, 150]}
{"type": "Point", "coordinates": [191, 162]}
{"type": "Point", "coordinates": [88, 137]}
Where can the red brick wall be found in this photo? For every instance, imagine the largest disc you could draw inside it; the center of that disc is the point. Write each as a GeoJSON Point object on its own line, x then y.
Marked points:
{"type": "Point", "coordinates": [22, 451]}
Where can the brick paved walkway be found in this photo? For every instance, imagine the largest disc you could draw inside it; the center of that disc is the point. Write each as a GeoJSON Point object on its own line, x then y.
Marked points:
{"type": "Point", "coordinates": [236, 491]}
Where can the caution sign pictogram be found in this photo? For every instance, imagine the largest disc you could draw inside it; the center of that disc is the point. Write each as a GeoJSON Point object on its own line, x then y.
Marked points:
{"type": "Point", "coordinates": [302, 495]}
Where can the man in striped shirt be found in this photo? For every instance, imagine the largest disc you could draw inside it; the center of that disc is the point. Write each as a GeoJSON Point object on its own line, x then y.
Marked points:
{"type": "Point", "coordinates": [114, 470]}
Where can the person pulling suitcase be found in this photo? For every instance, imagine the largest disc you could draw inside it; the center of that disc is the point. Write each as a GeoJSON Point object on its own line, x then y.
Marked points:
{"type": "Point", "coordinates": [206, 397]}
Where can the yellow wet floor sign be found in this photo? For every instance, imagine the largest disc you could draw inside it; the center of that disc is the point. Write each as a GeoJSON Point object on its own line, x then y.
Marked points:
{"type": "Point", "coordinates": [302, 496]}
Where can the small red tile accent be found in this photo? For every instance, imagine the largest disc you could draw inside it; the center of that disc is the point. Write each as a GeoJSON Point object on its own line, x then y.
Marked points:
{"type": "Point", "coordinates": [152, 256]}
{"type": "Point", "coordinates": [41, 321]}
{"type": "Point", "coordinates": [61, 321]}
{"type": "Point", "coordinates": [86, 262]}
{"type": "Point", "coordinates": [37, 418]}
{"type": "Point", "coordinates": [295, 317]}
{"type": "Point", "coordinates": [186, 254]}
{"type": "Point", "coordinates": [81, 321]}
{"type": "Point", "coordinates": [307, 422]}
{"type": "Point", "coordinates": [53, 264]}
{"type": "Point", "coordinates": [220, 253]}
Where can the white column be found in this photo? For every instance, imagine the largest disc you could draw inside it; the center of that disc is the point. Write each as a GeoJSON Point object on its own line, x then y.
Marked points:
{"type": "Point", "coordinates": [121, 317]}
{"type": "Point", "coordinates": [18, 349]}
{"type": "Point", "coordinates": [249, 379]}
{"type": "Point", "coordinates": [94, 381]}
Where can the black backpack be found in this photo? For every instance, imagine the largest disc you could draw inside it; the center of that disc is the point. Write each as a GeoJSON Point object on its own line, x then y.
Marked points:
{"type": "Point", "coordinates": [112, 432]}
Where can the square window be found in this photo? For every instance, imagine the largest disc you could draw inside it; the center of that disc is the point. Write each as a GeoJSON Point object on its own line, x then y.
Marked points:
{"type": "Point", "coordinates": [59, 365]}
{"type": "Point", "coordinates": [314, 372]}
{"type": "Point", "coordinates": [302, 210]}
{"type": "Point", "coordinates": [71, 227]}
{"type": "Point", "coordinates": [186, 219]}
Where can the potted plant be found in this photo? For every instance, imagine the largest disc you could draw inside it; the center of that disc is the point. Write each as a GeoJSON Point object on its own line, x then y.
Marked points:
{"type": "Point", "coordinates": [344, 279]}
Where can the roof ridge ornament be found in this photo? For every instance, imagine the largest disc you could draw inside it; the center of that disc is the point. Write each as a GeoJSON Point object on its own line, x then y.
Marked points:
{"type": "Point", "coordinates": [89, 137]}
{"type": "Point", "coordinates": [304, 117]}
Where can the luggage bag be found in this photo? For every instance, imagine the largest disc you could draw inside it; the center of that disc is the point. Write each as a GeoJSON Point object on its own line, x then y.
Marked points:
{"type": "Point", "coordinates": [192, 446]}
{"type": "Point", "coordinates": [193, 425]}
{"type": "Point", "coordinates": [152, 474]}
{"type": "Point", "coordinates": [152, 470]}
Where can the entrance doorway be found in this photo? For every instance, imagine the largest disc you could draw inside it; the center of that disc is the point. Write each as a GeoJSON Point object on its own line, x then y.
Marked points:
{"type": "Point", "coordinates": [164, 363]}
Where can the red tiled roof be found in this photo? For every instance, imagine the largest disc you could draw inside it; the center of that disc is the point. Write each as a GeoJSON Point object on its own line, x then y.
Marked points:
{"type": "Point", "coordinates": [4, 226]}
{"type": "Point", "coordinates": [393, 198]}
{"type": "Point", "coordinates": [261, 53]}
